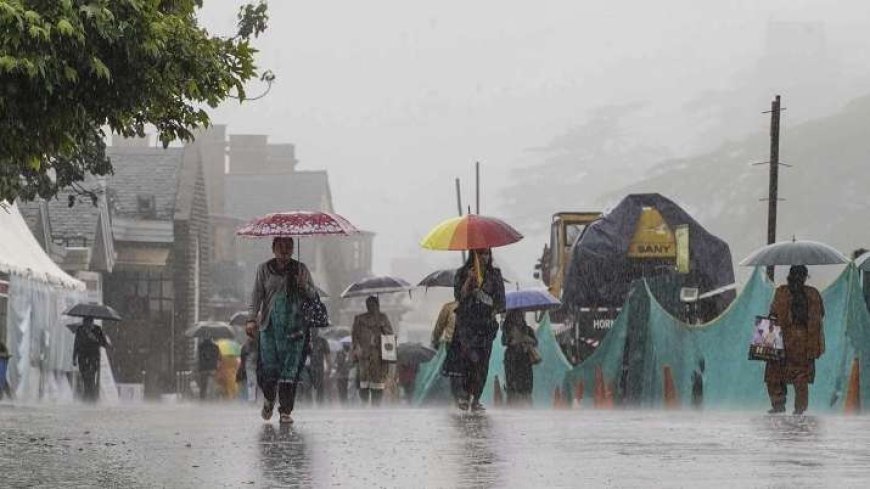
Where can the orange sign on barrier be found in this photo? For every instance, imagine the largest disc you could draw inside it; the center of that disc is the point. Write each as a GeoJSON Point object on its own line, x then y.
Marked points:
{"type": "Point", "coordinates": [672, 400]}
{"type": "Point", "coordinates": [852, 404]}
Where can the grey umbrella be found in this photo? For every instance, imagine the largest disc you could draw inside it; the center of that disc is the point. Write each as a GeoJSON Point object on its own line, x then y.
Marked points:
{"type": "Point", "coordinates": [93, 310]}
{"type": "Point", "coordinates": [414, 353]}
{"type": "Point", "coordinates": [795, 252]}
{"type": "Point", "coordinates": [442, 278]}
{"type": "Point", "coordinates": [375, 286]}
{"type": "Point", "coordinates": [211, 329]}
{"type": "Point", "coordinates": [863, 262]}
{"type": "Point", "coordinates": [438, 278]}
{"type": "Point", "coordinates": [239, 318]}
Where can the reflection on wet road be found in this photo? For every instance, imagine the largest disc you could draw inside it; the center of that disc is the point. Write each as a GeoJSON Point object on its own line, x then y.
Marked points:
{"type": "Point", "coordinates": [190, 446]}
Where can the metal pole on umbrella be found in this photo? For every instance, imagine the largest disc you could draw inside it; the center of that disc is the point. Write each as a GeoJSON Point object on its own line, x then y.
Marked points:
{"type": "Point", "coordinates": [459, 208]}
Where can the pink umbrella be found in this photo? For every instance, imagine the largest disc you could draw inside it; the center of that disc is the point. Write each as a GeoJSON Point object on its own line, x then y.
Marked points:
{"type": "Point", "coordinates": [298, 223]}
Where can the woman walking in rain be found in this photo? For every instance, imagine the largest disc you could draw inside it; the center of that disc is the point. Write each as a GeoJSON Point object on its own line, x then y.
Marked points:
{"type": "Point", "coordinates": [799, 311]}
{"type": "Point", "coordinates": [274, 316]}
{"type": "Point", "coordinates": [519, 357]}
{"type": "Point", "coordinates": [479, 289]}
{"type": "Point", "coordinates": [366, 347]}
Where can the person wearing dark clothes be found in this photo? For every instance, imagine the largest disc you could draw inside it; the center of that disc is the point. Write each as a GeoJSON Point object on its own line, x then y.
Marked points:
{"type": "Point", "coordinates": [5, 390]}
{"type": "Point", "coordinates": [698, 385]}
{"type": "Point", "coordinates": [208, 357]}
{"type": "Point", "coordinates": [519, 357]}
{"type": "Point", "coordinates": [479, 289]}
{"type": "Point", "coordinates": [86, 354]}
{"type": "Point", "coordinates": [799, 311]}
{"type": "Point", "coordinates": [407, 374]}
{"type": "Point", "coordinates": [366, 333]}
{"type": "Point", "coordinates": [343, 364]}
{"type": "Point", "coordinates": [318, 368]}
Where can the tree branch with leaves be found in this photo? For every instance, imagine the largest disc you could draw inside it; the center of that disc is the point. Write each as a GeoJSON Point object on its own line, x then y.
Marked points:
{"type": "Point", "coordinates": [70, 68]}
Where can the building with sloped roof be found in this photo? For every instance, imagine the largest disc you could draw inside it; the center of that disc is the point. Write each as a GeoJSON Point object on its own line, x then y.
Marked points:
{"type": "Point", "coordinates": [143, 246]}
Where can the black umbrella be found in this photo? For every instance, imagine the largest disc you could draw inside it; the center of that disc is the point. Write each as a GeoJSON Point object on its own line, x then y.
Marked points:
{"type": "Point", "coordinates": [211, 329]}
{"type": "Point", "coordinates": [93, 310]}
{"type": "Point", "coordinates": [442, 278]}
{"type": "Point", "coordinates": [414, 353]}
{"type": "Point", "coordinates": [438, 278]}
{"type": "Point", "coordinates": [376, 285]}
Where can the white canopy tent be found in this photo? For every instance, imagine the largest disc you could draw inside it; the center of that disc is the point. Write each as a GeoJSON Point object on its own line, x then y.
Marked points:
{"type": "Point", "coordinates": [21, 254]}
{"type": "Point", "coordinates": [36, 332]}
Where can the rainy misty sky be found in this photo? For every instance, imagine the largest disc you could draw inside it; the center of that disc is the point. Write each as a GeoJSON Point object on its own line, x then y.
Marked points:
{"type": "Point", "coordinates": [395, 99]}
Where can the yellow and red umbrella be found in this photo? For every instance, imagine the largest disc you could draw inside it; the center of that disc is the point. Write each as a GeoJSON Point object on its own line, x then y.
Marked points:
{"type": "Point", "coordinates": [470, 232]}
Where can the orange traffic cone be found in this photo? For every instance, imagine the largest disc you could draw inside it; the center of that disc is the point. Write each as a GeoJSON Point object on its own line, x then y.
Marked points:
{"type": "Point", "coordinates": [497, 398]}
{"type": "Point", "coordinates": [603, 395]}
{"type": "Point", "coordinates": [557, 398]}
{"type": "Point", "coordinates": [852, 405]}
{"type": "Point", "coordinates": [671, 399]}
{"type": "Point", "coordinates": [578, 393]}
{"type": "Point", "coordinates": [608, 396]}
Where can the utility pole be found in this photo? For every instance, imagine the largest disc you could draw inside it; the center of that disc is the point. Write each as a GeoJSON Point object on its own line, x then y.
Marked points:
{"type": "Point", "coordinates": [458, 199]}
{"type": "Point", "coordinates": [773, 191]}
{"type": "Point", "coordinates": [459, 207]}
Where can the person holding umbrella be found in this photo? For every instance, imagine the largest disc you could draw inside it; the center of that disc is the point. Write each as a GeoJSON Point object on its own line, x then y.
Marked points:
{"type": "Point", "coordinates": [366, 350]}
{"type": "Point", "coordinates": [479, 289]}
{"type": "Point", "coordinates": [86, 354]}
{"type": "Point", "coordinates": [799, 311]}
{"type": "Point", "coordinates": [208, 358]}
{"type": "Point", "coordinates": [279, 287]}
{"type": "Point", "coordinates": [519, 357]}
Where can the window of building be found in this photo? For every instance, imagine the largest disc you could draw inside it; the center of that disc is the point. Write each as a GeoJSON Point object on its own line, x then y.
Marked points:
{"type": "Point", "coordinates": [144, 295]}
{"type": "Point", "coordinates": [71, 241]}
{"type": "Point", "coordinates": [146, 206]}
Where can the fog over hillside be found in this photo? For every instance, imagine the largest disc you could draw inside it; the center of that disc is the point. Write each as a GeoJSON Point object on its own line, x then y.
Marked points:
{"type": "Point", "coordinates": [825, 190]}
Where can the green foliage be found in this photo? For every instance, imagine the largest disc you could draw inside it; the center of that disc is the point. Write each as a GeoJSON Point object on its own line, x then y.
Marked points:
{"type": "Point", "coordinates": [69, 68]}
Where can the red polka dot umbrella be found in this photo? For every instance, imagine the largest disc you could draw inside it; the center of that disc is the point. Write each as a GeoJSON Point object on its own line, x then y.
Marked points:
{"type": "Point", "coordinates": [298, 223]}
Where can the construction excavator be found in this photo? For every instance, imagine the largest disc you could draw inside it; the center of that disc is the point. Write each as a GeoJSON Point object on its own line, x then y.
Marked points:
{"type": "Point", "coordinates": [652, 246]}
{"type": "Point", "coordinates": [565, 228]}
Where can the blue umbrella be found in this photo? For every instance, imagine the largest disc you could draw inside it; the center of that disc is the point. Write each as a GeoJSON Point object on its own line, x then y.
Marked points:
{"type": "Point", "coordinates": [531, 300]}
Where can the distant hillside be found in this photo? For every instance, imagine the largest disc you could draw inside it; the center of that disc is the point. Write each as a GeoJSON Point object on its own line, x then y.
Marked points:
{"type": "Point", "coordinates": [826, 189]}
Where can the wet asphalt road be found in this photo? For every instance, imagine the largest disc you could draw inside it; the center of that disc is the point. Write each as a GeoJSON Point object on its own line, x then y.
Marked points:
{"type": "Point", "coordinates": [227, 445]}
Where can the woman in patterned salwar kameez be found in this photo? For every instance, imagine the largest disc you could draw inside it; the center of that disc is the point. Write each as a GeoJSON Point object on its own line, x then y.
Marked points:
{"type": "Point", "coordinates": [279, 287]}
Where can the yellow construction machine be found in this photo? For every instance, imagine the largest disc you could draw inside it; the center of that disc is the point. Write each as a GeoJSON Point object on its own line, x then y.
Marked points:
{"type": "Point", "coordinates": [565, 228]}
